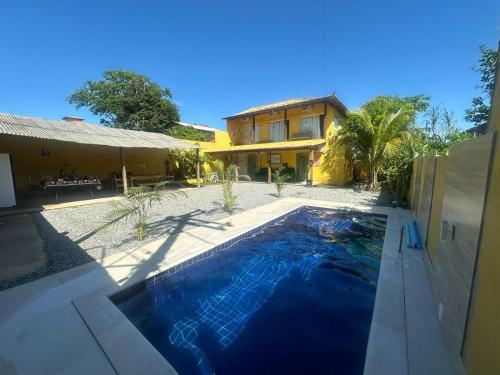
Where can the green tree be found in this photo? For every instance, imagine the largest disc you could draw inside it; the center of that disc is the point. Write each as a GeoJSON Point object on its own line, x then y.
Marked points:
{"type": "Point", "coordinates": [186, 161]}
{"type": "Point", "coordinates": [128, 100]}
{"type": "Point", "coordinates": [478, 113]}
{"type": "Point", "coordinates": [441, 131]}
{"type": "Point", "coordinates": [397, 167]}
{"type": "Point", "coordinates": [187, 132]}
{"type": "Point", "coordinates": [411, 105]}
{"type": "Point", "coordinates": [369, 137]}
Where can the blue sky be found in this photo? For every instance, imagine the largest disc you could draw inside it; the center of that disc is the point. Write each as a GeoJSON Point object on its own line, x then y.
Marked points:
{"type": "Point", "coordinates": [220, 57]}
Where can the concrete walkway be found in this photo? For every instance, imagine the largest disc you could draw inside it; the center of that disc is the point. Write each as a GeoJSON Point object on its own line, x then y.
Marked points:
{"type": "Point", "coordinates": [21, 249]}
{"type": "Point", "coordinates": [65, 323]}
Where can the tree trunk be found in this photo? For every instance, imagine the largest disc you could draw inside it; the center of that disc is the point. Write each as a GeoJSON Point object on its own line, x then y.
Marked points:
{"type": "Point", "coordinates": [374, 180]}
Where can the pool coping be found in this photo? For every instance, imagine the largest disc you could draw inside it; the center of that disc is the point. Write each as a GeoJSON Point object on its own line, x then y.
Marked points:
{"type": "Point", "coordinates": [79, 299]}
{"type": "Point", "coordinates": [103, 320]}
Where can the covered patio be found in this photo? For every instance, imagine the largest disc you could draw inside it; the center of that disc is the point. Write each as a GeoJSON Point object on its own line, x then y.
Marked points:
{"type": "Point", "coordinates": [57, 161]}
{"type": "Point", "coordinates": [251, 159]}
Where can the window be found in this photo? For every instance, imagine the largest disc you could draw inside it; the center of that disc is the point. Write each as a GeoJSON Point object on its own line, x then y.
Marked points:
{"type": "Point", "coordinates": [257, 134]}
{"type": "Point", "coordinates": [247, 134]}
{"type": "Point", "coordinates": [277, 131]}
{"type": "Point", "coordinates": [336, 122]}
{"type": "Point", "coordinates": [310, 125]}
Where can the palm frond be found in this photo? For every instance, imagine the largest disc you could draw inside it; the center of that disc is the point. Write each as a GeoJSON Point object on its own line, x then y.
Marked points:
{"type": "Point", "coordinates": [119, 212]}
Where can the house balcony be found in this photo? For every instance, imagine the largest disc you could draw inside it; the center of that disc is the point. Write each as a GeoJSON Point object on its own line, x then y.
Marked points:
{"type": "Point", "coordinates": [301, 136]}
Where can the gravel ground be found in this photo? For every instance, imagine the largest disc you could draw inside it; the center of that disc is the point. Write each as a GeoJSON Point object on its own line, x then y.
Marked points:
{"type": "Point", "coordinates": [71, 237]}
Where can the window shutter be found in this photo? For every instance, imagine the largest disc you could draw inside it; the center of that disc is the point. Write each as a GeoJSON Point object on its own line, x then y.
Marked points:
{"type": "Point", "coordinates": [317, 131]}
{"type": "Point", "coordinates": [322, 126]}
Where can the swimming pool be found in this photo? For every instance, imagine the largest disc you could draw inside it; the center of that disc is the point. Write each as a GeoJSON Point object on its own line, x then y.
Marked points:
{"type": "Point", "coordinates": [294, 296]}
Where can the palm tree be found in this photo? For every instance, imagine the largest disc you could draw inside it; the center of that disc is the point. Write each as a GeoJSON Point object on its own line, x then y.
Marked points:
{"type": "Point", "coordinates": [137, 206]}
{"type": "Point", "coordinates": [368, 138]}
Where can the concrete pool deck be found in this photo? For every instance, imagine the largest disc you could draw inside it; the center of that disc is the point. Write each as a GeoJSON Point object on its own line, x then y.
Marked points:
{"type": "Point", "coordinates": [65, 323]}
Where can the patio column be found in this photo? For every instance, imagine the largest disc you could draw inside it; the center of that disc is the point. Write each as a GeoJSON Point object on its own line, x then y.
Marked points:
{"type": "Point", "coordinates": [198, 167]}
{"type": "Point", "coordinates": [311, 166]}
{"type": "Point", "coordinates": [124, 172]}
{"type": "Point", "coordinates": [269, 172]}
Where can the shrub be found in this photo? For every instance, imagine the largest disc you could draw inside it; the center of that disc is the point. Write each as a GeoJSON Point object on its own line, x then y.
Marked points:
{"type": "Point", "coordinates": [187, 132]}
{"type": "Point", "coordinates": [186, 162]}
{"type": "Point", "coordinates": [280, 179]}
{"type": "Point", "coordinates": [244, 177]}
{"type": "Point", "coordinates": [397, 167]}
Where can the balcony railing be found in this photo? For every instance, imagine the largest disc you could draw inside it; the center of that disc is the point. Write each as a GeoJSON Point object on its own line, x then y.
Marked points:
{"type": "Point", "coordinates": [293, 137]}
{"type": "Point", "coordinates": [301, 136]}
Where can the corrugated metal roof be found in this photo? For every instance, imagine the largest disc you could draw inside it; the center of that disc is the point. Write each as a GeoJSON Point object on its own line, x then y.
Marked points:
{"type": "Point", "coordinates": [290, 103]}
{"type": "Point", "coordinates": [288, 145]}
{"type": "Point", "coordinates": [199, 127]}
{"type": "Point", "coordinates": [85, 133]}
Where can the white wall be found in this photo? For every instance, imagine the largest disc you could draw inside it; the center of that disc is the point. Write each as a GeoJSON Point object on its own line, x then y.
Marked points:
{"type": "Point", "coordinates": [7, 197]}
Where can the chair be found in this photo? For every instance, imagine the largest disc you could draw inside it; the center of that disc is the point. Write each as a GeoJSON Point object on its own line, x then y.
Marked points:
{"type": "Point", "coordinates": [117, 183]}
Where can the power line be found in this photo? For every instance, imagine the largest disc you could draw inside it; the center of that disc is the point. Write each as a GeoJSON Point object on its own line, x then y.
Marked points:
{"type": "Point", "coordinates": [324, 48]}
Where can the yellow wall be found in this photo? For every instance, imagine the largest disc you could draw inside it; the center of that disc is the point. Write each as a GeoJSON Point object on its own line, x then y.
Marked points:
{"type": "Point", "coordinates": [221, 139]}
{"type": "Point", "coordinates": [99, 161]}
{"type": "Point", "coordinates": [235, 126]}
{"type": "Point", "coordinates": [482, 345]}
{"type": "Point", "coordinates": [338, 172]}
{"type": "Point", "coordinates": [437, 205]}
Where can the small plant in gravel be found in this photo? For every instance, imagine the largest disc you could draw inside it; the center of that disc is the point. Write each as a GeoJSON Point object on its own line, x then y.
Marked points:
{"type": "Point", "coordinates": [136, 207]}
{"type": "Point", "coordinates": [228, 194]}
{"type": "Point", "coordinates": [280, 179]}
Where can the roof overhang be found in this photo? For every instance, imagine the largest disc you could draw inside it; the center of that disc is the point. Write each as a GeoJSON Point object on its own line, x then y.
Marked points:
{"type": "Point", "coordinates": [330, 99]}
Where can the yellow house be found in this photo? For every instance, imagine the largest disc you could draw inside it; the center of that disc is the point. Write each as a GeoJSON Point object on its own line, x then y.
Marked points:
{"type": "Point", "coordinates": [291, 134]}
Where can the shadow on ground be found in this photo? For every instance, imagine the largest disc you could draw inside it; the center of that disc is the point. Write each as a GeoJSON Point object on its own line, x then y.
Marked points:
{"type": "Point", "coordinates": [61, 253]}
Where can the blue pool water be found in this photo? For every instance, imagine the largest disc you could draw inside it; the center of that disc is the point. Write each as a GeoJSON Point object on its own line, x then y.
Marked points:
{"type": "Point", "coordinates": [294, 298]}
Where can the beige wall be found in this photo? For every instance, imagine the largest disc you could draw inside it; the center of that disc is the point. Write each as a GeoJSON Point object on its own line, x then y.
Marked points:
{"type": "Point", "coordinates": [481, 351]}
{"type": "Point", "coordinates": [482, 345]}
{"type": "Point", "coordinates": [437, 205]}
